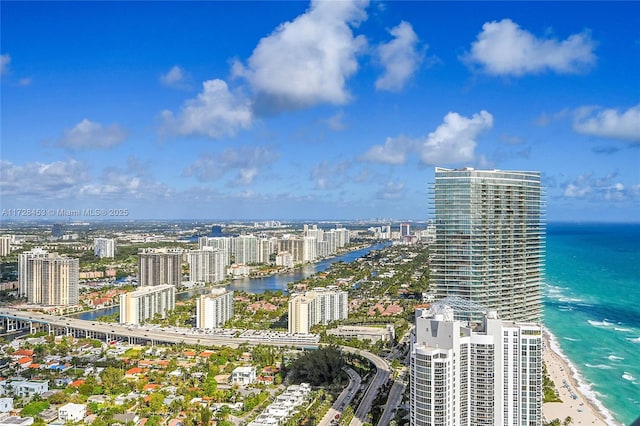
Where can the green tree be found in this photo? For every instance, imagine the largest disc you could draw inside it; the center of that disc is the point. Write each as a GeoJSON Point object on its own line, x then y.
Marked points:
{"type": "Point", "coordinates": [59, 398]}
{"type": "Point", "coordinates": [112, 379]}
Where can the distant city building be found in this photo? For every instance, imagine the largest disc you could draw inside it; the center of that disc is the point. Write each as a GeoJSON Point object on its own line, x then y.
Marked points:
{"type": "Point", "coordinates": [405, 230]}
{"type": "Point", "coordinates": [472, 374]}
{"type": "Point", "coordinates": [318, 306]}
{"type": "Point", "coordinates": [309, 249]}
{"type": "Point", "coordinates": [214, 309]}
{"type": "Point", "coordinates": [293, 246]}
{"type": "Point", "coordinates": [104, 247]}
{"type": "Point", "coordinates": [490, 240]}
{"type": "Point", "coordinates": [138, 306]}
{"type": "Point", "coordinates": [216, 231]}
{"type": "Point", "coordinates": [246, 249]}
{"type": "Point", "coordinates": [47, 278]}
{"type": "Point", "coordinates": [222, 243]}
{"type": "Point", "coordinates": [5, 244]}
{"type": "Point", "coordinates": [284, 259]}
{"type": "Point", "coordinates": [207, 265]}
{"type": "Point", "coordinates": [159, 266]}
{"type": "Point", "coordinates": [57, 230]}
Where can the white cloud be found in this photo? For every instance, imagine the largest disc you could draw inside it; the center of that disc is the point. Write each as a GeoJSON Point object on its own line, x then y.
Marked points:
{"type": "Point", "coordinates": [394, 151]}
{"type": "Point", "coordinates": [87, 134]}
{"type": "Point", "coordinates": [214, 113]}
{"type": "Point", "coordinates": [454, 141]}
{"type": "Point", "coordinates": [175, 77]}
{"type": "Point", "coordinates": [306, 61]}
{"type": "Point", "coordinates": [336, 122]}
{"type": "Point", "coordinates": [598, 189]}
{"type": "Point", "coordinates": [392, 190]}
{"type": "Point", "coordinates": [130, 182]}
{"type": "Point", "coordinates": [247, 161]}
{"type": "Point", "coordinates": [503, 48]}
{"type": "Point", "coordinates": [5, 60]}
{"type": "Point", "coordinates": [328, 176]}
{"type": "Point", "coordinates": [399, 57]}
{"type": "Point", "coordinates": [572, 190]}
{"type": "Point", "coordinates": [58, 179]}
{"type": "Point", "coordinates": [609, 123]}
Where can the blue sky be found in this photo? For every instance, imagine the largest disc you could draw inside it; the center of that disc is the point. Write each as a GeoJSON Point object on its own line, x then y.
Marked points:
{"type": "Point", "coordinates": [321, 110]}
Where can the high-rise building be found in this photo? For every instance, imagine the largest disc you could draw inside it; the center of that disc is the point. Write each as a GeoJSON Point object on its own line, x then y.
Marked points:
{"type": "Point", "coordinates": [318, 306]}
{"type": "Point", "coordinates": [207, 265]}
{"type": "Point", "coordinates": [104, 247]}
{"type": "Point", "coordinates": [5, 244]}
{"type": "Point", "coordinates": [490, 240]}
{"type": "Point", "coordinates": [474, 374]}
{"type": "Point", "coordinates": [405, 229]}
{"type": "Point", "coordinates": [214, 309]}
{"type": "Point", "coordinates": [223, 243]}
{"type": "Point", "coordinates": [48, 278]}
{"type": "Point", "coordinates": [246, 250]}
{"type": "Point", "coordinates": [159, 266]}
{"type": "Point", "coordinates": [138, 306]}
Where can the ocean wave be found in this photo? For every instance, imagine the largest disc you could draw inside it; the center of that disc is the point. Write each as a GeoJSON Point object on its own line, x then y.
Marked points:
{"type": "Point", "coordinates": [556, 288]}
{"type": "Point", "coordinates": [634, 339]}
{"type": "Point", "coordinates": [628, 376]}
{"type": "Point", "coordinates": [583, 387]}
{"type": "Point", "coordinates": [614, 358]}
{"type": "Point", "coordinates": [603, 323]}
{"type": "Point", "coordinates": [571, 339]}
{"type": "Point", "coordinates": [570, 300]}
{"type": "Point", "coordinates": [600, 366]}
{"type": "Point", "coordinates": [621, 329]}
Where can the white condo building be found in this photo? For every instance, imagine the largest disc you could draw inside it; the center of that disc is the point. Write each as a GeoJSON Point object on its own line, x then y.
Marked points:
{"type": "Point", "coordinates": [214, 309]}
{"type": "Point", "coordinates": [207, 265]}
{"type": "Point", "coordinates": [474, 374]}
{"type": "Point", "coordinates": [222, 243]}
{"type": "Point", "coordinates": [490, 240]}
{"type": "Point", "coordinates": [104, 247]}
{"type": "Point", "coordinates": [144, 303]}
{"type": "Point", "coordinates": [246, 249]}
{"type": "Point", "coordinates": [318, 306]}
{"type": "Point", "coordinates": [5, 244]}
{"type": "Point", "coordinates": [48, 278]}
{"type": "Point", "coordinates": [159, 266]}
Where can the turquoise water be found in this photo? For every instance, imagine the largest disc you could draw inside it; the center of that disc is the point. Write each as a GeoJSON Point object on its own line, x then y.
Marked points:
{"type": "Point", "coordinates": [592, 306]}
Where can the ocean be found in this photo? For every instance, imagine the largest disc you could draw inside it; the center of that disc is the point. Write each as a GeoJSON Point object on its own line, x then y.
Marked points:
{"type": "Point", "coordinates": [592, 306]}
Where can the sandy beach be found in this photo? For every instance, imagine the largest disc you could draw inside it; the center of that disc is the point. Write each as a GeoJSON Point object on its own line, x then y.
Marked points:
{"type": "Point", "coordinates": [575, 404]}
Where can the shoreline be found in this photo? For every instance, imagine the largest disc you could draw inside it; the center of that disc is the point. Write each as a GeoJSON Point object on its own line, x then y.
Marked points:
{"type": "Point", "coordinates": [585, 408]}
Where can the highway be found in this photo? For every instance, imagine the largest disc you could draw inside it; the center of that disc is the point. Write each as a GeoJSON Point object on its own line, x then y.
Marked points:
{"type": "Point", "coordinates": [112, 331]}
{"type": "Point", "coordinates": [344, 399]}
{"type": "Point", "coordinates": [154, 334]}
{"type": "Point", "coordinates": [383, 372]}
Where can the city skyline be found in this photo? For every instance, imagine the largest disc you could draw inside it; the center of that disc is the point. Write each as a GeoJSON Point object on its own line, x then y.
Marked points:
{"type": "Point", "coordinates": [321, 110]}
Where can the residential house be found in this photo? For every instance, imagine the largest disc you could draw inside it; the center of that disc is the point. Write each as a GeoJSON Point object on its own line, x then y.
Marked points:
{"type": "Point", "coordinates": [72, 412]}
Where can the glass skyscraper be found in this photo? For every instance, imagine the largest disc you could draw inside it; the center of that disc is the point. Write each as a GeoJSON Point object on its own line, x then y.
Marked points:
{"type": "Point", "coordinates": [490, 240]}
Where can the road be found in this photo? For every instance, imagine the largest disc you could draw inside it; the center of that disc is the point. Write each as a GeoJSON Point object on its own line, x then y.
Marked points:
{"type": "Point", "coordinates": [399, 385]}
{"type": "Point", "coordinates": [153, 334]}
{"type": "Point", "coordinates": [344, 399]}
{"type": "Point", "coordinates": [383, 372]}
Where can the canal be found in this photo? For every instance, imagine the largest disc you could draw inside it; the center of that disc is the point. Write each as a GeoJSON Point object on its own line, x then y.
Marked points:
{"type": "Point", "coordinates": [257, 285]}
